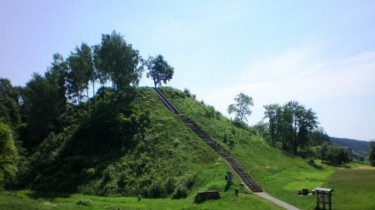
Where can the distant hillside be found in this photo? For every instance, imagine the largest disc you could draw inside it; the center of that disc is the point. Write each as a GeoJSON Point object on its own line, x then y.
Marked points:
{"type": "Point", "coordinates": [360, 147]}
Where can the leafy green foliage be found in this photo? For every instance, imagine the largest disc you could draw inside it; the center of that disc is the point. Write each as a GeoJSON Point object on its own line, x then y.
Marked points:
{"type": "Point", "coordinates": [8, 155]}
{"type": "Point", "coordinates": [81, 71]}
{"type": "Point", "coordinates": [291, 125]}
{"type": "Point", "coordinates": [241, 107]}
{"type": "Point", "coordinates": [337, 155]}
{"type": "Point", "coordinates": [362, 148]}
{"type": "Point", "coordinates": [116, 59]}
{"type": "Point", "coordinates": [272, 112]}
{"type": "Point", "coordinates": [9, 106]}
{"type": "Point", "coordinates": [159, 70]}
{"type": "Point", "coordinates": [110, 130]}
{"type": "Point", "coordinates": [43, 104]}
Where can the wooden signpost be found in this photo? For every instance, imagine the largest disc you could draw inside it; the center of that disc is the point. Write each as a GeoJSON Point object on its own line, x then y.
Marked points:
{"type": "Point", "coordinates": [229, 177]}
{"type": "Point", "coordinates": [323, 196]}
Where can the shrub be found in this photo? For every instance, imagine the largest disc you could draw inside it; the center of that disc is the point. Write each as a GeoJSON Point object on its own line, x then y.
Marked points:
{"type": "Point", "coordinates": [156, 190]}
{"type": "Point", "coordinates": [170, 185]}
{"type": "Point", "coordinates": [90, 171]}
{"type": "Point", "coordinates": [181, 192]}
{"type": "Point", "coordinates": [306, 152]}
{"type": "Point", "coordinates": [231, 143]}
{"type": "Point", "coordinates": [190, 180]}
{"type": "Point", "coordinates": [187, 92]}
{"type": "Point", "coordinates": [210, 112]}
{"type": "Point", "coordinates": [239, 124]}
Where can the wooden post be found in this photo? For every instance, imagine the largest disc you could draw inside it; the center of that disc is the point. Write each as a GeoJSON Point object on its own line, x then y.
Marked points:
{"type": "Point", "coordinates": [330, 201]}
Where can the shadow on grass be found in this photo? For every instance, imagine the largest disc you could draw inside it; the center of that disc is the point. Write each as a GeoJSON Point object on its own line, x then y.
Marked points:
{"type": "Point", "coordinates": [47, 195]}
{"type": "Point", "coordinates": [343, 165]}
{"type": "Point", "coordinates": [313, 164]}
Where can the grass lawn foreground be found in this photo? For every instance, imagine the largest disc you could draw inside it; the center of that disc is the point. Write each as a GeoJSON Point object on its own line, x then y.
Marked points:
{"type": "Point", "coordinates": [353, 188]}
{"type": "Point", "coordinates": [29, 200]}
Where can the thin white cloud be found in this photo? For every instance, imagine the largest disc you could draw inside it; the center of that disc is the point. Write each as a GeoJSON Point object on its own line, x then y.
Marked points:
{"type": "Point", "coordinates": [302, 75]}
{"type": "Point", "coordinates": [298, 73]}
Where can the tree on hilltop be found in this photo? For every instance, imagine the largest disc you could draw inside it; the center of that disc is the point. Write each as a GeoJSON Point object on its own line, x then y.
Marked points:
{"type": "Point", "coordinates": [81, 71]}
{"type": "Point", "coordinates": [159, 70]}
{"type": "Point", "coordinates": [117, 60]}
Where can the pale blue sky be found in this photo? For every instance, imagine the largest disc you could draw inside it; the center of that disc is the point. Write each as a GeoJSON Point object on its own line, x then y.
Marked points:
{"type": "Point", "coordinates": [320, 53]}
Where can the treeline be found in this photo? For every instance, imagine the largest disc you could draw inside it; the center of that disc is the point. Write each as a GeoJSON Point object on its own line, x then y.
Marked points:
{"type": "Point", "coordinates": [294, 129]}
{"type": "Point", "coordinates": [54, 108]}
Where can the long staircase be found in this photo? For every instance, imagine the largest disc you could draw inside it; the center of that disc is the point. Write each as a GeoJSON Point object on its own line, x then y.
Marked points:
{"type": "Point", "coordinates": [246, 178]}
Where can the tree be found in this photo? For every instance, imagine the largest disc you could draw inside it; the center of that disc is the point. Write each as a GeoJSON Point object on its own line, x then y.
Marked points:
{"type": "Point", "coordinates": [117, 60]}
{"type": "Point", "coordinates": [81, 71]}
{"type": "Point", "coordinates": [299, 122]}
{"type": "Point", "coordinates": [271, 114]}
{"type": "Point", "coordinates": [8, 154]}
{"type": "Point", "coordinates": [337, 156]}
{"type": "Point", "coordinates": [371, 157]}
{"type": "Point", "coordinates": [159, 70]}
{"type": "Point", "coordinates": [319, 136]}
{"type": "Point", "coordinates": [292, 124]}
{"type": "Point", "coordinates": [9, 103]}
{"type": "Point", "coordinates": [262, 129]}
{"type": "Point", "coordinates": [242, 106]}
{"type": "Point", "coordinates": [44, 103]}
{"type": "Point", "coordinates": [324, 151]}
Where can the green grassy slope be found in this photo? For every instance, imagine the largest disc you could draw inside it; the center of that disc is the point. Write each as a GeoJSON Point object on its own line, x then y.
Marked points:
{"type": "Point", "coordinates": [277, 173]}
{"type": "Point", "coordinates": [170, 158]}
{"type": "Point", "coordinates": [166, 160]}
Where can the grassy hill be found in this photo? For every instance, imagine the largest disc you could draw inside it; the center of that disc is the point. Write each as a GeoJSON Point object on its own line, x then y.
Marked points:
{"type": "Point", "coordinates": [169, 161]}
{"type": "Point", "coordinates": [279, 174]}
{"type": "Point", "coordinates": [165, 161]}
